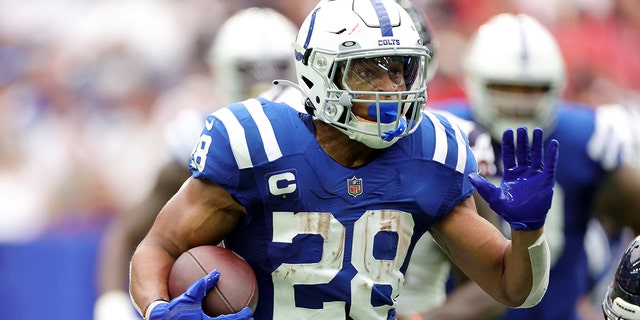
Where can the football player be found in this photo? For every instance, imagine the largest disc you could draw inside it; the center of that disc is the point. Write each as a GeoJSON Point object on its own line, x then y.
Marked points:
{"type": "Point", "coordinates": [515, 75]}
{"type": "Point", "coordinates": [327, 206]}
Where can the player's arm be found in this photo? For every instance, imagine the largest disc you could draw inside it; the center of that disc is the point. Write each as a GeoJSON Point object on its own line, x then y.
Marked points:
{"type": "Point", "coordinates": [514, 272]}
{"type": "Point", "coordinates": [199, 213]}
{"type": "Point", "coordinates": [502, 268]}
{"type": "Point", "coordinates": [467, 301]}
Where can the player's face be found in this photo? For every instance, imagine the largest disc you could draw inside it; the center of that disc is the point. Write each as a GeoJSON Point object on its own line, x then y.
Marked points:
{"type": "Point", "coordinates": [517, 101]}
{"type": "Point", "coordinates": [380, 74]}
{"type": "Point", "coordinates": [384, 74]}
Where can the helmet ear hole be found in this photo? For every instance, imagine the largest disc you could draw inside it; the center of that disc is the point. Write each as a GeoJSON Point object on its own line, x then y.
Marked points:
{"type": "Point", "coordinates": [307, 82]}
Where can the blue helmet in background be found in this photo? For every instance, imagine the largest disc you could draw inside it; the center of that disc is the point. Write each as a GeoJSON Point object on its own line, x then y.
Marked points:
{"type": "Point", "coordinates": [622, 301]}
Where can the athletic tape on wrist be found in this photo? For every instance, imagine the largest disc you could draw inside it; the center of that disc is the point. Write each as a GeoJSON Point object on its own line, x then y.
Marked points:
{"type": "Point", "coordinates": [153, 304]}
{"type": "Point", "coordinates": [540, 264]}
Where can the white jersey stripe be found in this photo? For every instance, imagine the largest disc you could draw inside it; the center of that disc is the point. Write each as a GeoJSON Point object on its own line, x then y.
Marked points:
{"type": "Point", "coordinates": [441, 147]}
{"type": "Point", "coordinates": [440, 152]}
{"type": "Point", "coordinates": [237, 138]}
{"type": "Point", "coordinates": [462, 148]}
{"type": "Point", "coordinates": [269, 141]}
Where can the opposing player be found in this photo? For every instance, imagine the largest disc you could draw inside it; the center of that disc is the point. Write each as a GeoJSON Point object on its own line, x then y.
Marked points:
{"type": "Point", "coordinates": [515, 75]}
{"type": "Point", "coordinates": [327, 206]}
{"type": "Point", "coordinates": [622, 301]}
{"type": "Point", "coordinates": [241, 69]}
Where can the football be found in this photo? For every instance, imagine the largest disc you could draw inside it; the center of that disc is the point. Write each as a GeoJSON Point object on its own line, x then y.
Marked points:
{"type": "Point", "coordinates": [237, 287]}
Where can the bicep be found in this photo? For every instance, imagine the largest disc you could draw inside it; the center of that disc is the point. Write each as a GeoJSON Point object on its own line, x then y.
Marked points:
{"type": "Point", "coordinates": [199, 213]}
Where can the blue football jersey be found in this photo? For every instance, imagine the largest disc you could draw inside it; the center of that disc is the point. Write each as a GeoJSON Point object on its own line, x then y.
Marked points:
{"type": "Point", "coordinates": [325, 241]}
{"type": "Point", "coordinates": [580, 170]}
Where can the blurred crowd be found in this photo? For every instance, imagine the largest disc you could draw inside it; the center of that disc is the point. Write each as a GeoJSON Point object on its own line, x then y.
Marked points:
{"type": "Point", "coordinates": [86, 87]}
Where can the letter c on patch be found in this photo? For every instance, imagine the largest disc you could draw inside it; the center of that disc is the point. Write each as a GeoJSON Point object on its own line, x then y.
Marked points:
{"type": "Point", "coordinates": [282, 183]}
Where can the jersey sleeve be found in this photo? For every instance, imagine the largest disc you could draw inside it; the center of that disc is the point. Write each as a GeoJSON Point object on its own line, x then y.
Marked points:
{"type": "Point", "coordinates": [451, 149]}
{"type": "Point", "coordinates": [212, 158]}
{"type": "Point", "coordinates": [479, 142]}
{"type": "Point", "coordinates": [236, 141]}
{"type": "Point", "coordinates": [469, 160]}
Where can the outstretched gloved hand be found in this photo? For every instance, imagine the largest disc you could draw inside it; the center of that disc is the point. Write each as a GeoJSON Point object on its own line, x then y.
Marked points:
{"type": "Point", "coordinates": [188, 306]}
{"type": "Point", "coordinates": [524, 196]}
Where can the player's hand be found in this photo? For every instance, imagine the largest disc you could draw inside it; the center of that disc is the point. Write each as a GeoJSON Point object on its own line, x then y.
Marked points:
{"type": "Point", "coordinates": [524, 197]}
{"type": "Point", "coordinates": [188, 306]}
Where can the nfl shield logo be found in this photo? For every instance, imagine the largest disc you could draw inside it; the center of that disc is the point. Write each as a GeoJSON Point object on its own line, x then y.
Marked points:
{"type": "Point", "coordinates": [354, 186]}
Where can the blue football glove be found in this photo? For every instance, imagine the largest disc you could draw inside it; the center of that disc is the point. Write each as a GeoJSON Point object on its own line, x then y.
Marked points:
{"type": "Point", "coordinates": [524, 197]}
{"type": "Point", "coordinates": [188, 306]}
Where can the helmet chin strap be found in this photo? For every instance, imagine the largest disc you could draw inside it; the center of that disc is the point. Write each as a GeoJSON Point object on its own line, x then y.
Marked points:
{"type": "Point", "coordinates": [391, 134]}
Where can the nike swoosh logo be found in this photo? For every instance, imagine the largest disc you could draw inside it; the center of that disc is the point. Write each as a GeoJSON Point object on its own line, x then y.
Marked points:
{"type": "Point", "coordinates": [209, 123]}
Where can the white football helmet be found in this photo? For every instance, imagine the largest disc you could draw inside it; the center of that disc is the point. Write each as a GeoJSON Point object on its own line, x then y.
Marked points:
{"type": "Point", "coordinates": [513, 51]}
{"type": "Point", "coordinates": [367, 39]}
{"type": "Point", "coordinates": [250, 50]}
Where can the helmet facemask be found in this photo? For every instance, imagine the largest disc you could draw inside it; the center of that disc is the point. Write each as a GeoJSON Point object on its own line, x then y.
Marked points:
{"type": "Point", "coordinates": [390, 86]}
{"type": "Point", "coordinates": [512, 105]}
